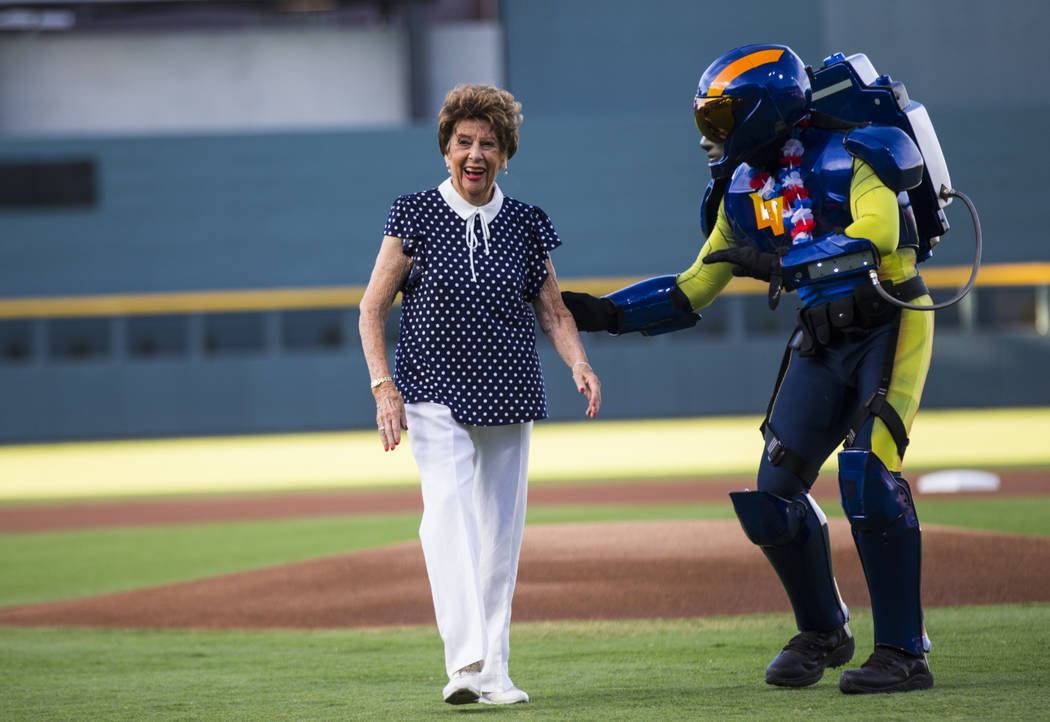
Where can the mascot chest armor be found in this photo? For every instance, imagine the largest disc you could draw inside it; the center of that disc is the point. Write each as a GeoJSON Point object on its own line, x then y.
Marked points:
{"type": "Point", "coordinates": [826, 171]}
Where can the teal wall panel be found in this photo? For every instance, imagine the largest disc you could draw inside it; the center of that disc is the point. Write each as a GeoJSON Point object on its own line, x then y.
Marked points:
{"type": "Point", "coordinates": [608, 149]}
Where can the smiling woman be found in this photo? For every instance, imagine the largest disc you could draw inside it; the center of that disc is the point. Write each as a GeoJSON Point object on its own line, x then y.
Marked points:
{"type": "Point", "coordinates": [475, 274]}
{"type": "Point", "coordinates": [473, 159]}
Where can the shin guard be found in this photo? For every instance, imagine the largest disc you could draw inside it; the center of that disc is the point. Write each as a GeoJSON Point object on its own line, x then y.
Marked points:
{"type": "Point", "coordinates": [885, 528]}
{"type": "Point", "coordinates": [793, 534]}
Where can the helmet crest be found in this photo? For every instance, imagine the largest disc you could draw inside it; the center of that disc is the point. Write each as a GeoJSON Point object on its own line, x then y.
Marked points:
{"type": "Point", "coordinates": [749, 97]}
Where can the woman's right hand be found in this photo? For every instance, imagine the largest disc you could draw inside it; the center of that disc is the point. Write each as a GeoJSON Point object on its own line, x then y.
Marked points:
{"type": "Point", "coordinates": [390, 414]}
{"type": "Point", "coordinates": [391, 269]}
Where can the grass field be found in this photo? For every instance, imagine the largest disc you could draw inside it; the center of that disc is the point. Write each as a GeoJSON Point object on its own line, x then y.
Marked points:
{"type": "Point", "coordinates": [989, 661]}
{"type": "Point", "coordinates": [990, 665]}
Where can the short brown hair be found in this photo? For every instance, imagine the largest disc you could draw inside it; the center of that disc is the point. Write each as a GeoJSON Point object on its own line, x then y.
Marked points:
{"type": "Point", "coordinates": [481, 102]}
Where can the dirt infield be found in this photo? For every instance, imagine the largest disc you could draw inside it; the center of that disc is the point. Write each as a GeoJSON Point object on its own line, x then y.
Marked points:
{"type": "Point", "coordinates": [573, 571]}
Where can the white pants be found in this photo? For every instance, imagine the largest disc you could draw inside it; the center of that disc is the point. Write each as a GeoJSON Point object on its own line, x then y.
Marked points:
{"type": "Point", "coordinates": [474, 481]}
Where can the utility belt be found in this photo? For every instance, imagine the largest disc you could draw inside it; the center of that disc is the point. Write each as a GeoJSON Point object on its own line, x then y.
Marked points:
{"type": "Point", "coordinates": [852, 317]}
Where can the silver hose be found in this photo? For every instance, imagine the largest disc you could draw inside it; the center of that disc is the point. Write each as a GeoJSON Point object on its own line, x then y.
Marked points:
{"type": "Point", "coordinates": [946, 192]}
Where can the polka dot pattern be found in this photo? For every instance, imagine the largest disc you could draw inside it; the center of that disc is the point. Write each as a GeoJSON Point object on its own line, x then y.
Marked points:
{"type": "Point", "coordinates": [471, 345]}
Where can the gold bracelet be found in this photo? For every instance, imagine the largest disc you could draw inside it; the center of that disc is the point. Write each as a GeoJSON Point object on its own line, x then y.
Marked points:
{"type": "Point", "coordinates": [381, 380]}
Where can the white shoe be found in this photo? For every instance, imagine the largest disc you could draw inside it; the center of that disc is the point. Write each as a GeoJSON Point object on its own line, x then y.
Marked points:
{"type": "Point", "coordinates": [464, 687]}
{"type": "Point", "coordinates": [507, 696]}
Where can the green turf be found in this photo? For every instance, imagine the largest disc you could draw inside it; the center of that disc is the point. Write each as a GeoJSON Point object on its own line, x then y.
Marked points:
{"type": "Point", "coordinates": [988, 663]}
{"type": "Point", "coordinates": [1012, 515]}
{"type": "Point", "coordinates": [1016, 515]}
{"type": "Point", "coordinates": [57, 565]}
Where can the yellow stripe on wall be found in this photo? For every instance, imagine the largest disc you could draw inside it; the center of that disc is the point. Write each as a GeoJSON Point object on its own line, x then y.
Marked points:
{"type": "Point", "coordinates": [132, 304]}
{"type": "Point", "coordinates": [277, 299]}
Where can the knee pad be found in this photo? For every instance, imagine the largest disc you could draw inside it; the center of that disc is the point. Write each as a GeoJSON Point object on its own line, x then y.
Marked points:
{"type": "Point", "coordinates": [886, 532]}
{"type": "Point", "coordinates": [793, 535]}
{"type": "Point", "coordinates": [872, 497]}
{"type": "Point", "coordinates": [768, 520]}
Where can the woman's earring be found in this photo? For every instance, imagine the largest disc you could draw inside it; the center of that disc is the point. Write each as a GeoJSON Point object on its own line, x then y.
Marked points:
{"type": "Point", "coordinates": [506, 170]}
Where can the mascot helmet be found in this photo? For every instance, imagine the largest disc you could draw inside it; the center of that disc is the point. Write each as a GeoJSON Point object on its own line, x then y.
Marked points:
{"type": "Point", "coordinates": [749, 97]}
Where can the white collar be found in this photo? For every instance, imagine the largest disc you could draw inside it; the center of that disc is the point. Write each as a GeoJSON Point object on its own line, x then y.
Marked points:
{"type": "Point", "coordinates": [465, 209]}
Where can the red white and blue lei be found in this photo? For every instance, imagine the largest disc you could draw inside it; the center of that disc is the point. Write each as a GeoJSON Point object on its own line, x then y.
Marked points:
{"type": "Point", "coordinates": [798, 208]}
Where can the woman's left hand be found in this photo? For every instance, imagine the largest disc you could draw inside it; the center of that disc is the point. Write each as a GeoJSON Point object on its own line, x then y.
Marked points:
{"type": "Point", "coordinates": [557, 323]}
{"type": "Point", "coordinates": [588, 384]}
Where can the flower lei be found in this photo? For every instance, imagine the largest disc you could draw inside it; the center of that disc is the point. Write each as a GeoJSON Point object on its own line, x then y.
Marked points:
{"type": "Point", "coordinates": [798, 208]}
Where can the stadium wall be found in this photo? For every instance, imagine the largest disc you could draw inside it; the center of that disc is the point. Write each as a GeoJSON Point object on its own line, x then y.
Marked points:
{"type": "Point", "coordinates": [607, 150]}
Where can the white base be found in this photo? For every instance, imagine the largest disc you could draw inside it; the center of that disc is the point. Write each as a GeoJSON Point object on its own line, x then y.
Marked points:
{"type": "Point", "coordinates": [956, 480]}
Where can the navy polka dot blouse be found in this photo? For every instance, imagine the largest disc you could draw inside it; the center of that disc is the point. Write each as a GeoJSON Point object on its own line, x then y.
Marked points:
{"type": "Point", "coordinates": [468, 334]}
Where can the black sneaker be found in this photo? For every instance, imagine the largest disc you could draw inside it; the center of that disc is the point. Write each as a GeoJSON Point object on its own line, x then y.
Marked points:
{"type": "Point", "coordinates": [888, 670]}
{"type": "Point", "coordinates": [803, 661]}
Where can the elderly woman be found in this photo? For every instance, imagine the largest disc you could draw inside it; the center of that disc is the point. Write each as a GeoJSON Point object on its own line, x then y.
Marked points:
{"type": "Point", "coordinates": [472, 265]}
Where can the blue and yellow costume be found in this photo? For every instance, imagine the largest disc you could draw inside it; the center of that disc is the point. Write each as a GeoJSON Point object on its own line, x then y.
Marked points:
{"type": "Point", "coordinates": [820, 392]}
{"type": "Point", "coordinates": [854, 370]}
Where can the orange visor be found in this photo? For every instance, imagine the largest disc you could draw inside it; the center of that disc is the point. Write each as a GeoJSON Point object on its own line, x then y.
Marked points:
{"type": "Point", "coordinates": [714, 116]}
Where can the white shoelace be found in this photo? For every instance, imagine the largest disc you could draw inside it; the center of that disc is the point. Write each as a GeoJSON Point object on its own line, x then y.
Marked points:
{"type": "Point", "coordinates": [472, 239]}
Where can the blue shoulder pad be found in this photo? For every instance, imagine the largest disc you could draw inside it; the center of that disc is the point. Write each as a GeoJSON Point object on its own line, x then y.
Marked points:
{"type": "Point", "coordinates": [648, 306]}
{"type": "Point", "coordinates": [893, 156]}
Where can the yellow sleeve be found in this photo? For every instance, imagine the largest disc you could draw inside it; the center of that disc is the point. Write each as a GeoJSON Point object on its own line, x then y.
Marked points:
{"type": "Point", "coordinates": [874, 208]}
{"type": "Point", "coordinates": [701, 282]}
